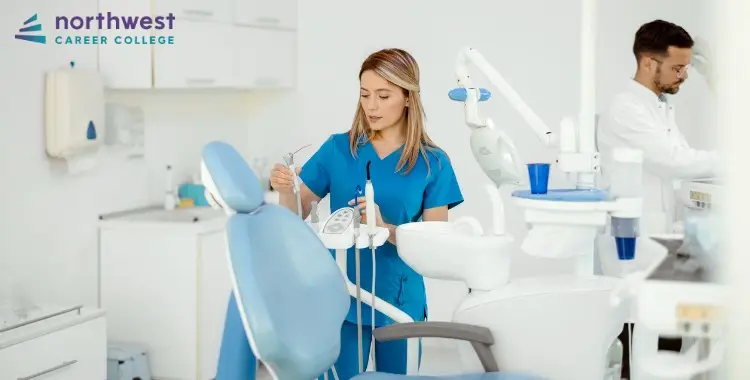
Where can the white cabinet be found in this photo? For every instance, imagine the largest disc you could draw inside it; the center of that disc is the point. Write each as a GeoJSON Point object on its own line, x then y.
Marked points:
{"type": "Point", "coordinates": [199, 57]}
{"type": "Point", "coordinates": [264, 13]}
{"type": "Point", "coordinates": [125, 66]}
{"type": "Point", "coordinates": [219, 11]}
{"type": "Point", "coordinates": [165, 285]}
{"type": "Point", "coordinates": [60, 345]}
{"type": "Point", "coordinates": [235, 44]}
{"type": "Point", "coordinates": [265, 58]}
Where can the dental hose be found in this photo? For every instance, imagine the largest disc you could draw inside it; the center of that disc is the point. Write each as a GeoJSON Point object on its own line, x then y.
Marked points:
{"type": "Point", "coordinates": [297, 193]}
{"type": "Point", "coordinates": [360, 353]}
{"type": "Point", "coordinates": [372, 308]}
{"type": "Point", "coordinates": [371, 231]}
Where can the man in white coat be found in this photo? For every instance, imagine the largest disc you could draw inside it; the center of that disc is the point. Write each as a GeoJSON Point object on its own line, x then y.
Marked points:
{"type": "Point", "coordinates": [641, 117]}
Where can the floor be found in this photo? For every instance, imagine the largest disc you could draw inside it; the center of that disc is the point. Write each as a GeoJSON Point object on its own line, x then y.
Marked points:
{"type": "Point", "coordinates": [435, 361]}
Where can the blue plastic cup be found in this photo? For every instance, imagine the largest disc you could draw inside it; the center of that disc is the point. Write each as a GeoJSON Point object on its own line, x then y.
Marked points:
{"type": "Point", "coordinates": [625, 248]}
{"type": "Point", "coordinates": [538, 178]}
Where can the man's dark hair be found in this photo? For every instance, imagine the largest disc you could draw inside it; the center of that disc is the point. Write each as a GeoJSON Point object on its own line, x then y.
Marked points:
{"type": "Point", "coordinates": [657, 36]}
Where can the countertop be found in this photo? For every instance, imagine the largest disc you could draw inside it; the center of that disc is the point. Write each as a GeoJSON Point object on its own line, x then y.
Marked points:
{"type": "Point", "coordinates": [192, 219]}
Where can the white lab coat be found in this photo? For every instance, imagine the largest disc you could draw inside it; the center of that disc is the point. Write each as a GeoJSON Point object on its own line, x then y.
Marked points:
{"type": "Point", "coordinates": [638, 118]}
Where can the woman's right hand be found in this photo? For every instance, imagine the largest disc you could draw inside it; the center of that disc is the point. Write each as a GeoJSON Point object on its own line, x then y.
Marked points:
{"type": "Point", "coordinates": [282, 179]}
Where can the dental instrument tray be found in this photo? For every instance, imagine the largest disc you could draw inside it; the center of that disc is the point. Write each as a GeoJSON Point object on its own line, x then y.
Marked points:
{"type": "Point", "coordinates": [565, 195]}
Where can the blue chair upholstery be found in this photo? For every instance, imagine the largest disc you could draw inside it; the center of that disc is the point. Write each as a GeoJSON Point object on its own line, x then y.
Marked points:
{"type": "Point", "coordinates": [289, 297]}
{"type": "Point", "coordinates": [289, 291]}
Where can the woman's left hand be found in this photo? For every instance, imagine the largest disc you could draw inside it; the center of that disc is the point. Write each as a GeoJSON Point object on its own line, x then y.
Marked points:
{"type": "Point", "coordinates": [361, 205]}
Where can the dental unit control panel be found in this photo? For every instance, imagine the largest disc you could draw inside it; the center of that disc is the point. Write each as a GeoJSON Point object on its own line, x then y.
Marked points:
{"type": "Point", "coordinates": [340, 221]}
{"type": "Point", "coordinates": [337, 232]}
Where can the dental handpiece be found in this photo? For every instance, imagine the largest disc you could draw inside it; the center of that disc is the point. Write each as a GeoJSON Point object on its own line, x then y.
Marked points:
{"type": "Point", "coordinates": [314, 215]}
{"type": "Point", "coordinates": [289, 160]}
{"type": "Point", "coordinates": [360, 349]}
{"type": "Point", "coordinates": [370, 205]}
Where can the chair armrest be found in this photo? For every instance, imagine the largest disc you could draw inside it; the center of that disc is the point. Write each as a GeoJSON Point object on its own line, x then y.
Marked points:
{"type": "Point", "coordinates": [480, 337]}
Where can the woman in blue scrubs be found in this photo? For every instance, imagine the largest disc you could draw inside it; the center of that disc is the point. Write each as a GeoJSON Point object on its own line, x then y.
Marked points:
{"type": "Point", "coordinates": [413, 179]}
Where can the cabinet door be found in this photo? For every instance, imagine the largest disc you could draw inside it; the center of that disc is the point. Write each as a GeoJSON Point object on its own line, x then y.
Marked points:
{"type": "Point", "coordinates": [200, 57]}
{"type": "Point", "coordinates": [219, 11]}
{"type": "Point", "coordinates": [264, 13]}
{"type": "Point", "coordinates": [125, 66]}
{"type": "Point", "coordinates": [265, 58]}
{"type": "Point", "coordinates": [149, 285]}
{"type": "Point", "coordinates": [78, 351]}
{"type": "Point", "coordinates": [214, 287]}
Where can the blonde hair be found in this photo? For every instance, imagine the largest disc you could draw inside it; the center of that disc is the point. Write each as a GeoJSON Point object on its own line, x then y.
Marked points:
{"type": "Point", "coordinates": [400, 68]}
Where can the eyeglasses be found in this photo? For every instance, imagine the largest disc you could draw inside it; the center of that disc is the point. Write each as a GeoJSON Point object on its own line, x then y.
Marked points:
{"type": "Point", "coordinates": [680, 71]}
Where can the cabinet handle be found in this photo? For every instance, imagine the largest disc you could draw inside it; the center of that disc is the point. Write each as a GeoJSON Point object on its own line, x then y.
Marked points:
{"type": "Point", "coordinates": [200, 80]}
{"type": "Point", "coordinates": [53, 369]}
{"type": "Point", "coordinates": [198, 12]}
{"type": "Point", "coordinates": [268, 20]}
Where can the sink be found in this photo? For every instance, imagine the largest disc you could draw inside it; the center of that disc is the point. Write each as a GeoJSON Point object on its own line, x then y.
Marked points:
{"type": "Point", "coordinates": [178, 215]}
{"type": "Point", "coordinates": [450, 251]}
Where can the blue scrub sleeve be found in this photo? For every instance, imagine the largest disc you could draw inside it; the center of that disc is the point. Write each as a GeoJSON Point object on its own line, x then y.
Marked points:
{"type": "Point", "coordinates": [443, 189]}
{"type": "Point", "coordinates": [315, 172]}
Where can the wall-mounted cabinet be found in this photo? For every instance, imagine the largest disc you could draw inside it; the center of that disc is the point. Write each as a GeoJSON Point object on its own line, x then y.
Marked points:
{"type": "Point", "coordinates": [240, 44]}
{"type": "Point", "coordinates": [218, 11]}
{"type": "Point", "coordinates": [266, 14]}
{"type": "Point", "coordinates": [264, 57]}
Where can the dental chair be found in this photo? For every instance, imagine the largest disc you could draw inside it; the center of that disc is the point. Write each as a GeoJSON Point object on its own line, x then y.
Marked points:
{"type": "Point", "coordinates": [289, 296]}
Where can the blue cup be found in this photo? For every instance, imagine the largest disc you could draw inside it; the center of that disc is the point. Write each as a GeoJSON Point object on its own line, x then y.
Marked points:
{"type": "Point", "coordinates": [625, 248]}
{"type": "Point", "coordinates": [538, 178]}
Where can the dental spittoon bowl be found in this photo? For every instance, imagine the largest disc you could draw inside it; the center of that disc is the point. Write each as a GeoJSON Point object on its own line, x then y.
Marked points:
{"type": "Point", "coordinates": [456, 251]}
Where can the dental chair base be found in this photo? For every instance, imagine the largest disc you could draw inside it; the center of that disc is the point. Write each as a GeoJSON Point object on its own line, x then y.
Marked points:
{"type": "Point", "coordinates": [555, 327]}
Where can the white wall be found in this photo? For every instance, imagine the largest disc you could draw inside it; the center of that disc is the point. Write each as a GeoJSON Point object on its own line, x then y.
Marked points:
{"type": "Point", "coordinates": [533, 44]}
{"type": "Point", "coordinates": [48, 221]}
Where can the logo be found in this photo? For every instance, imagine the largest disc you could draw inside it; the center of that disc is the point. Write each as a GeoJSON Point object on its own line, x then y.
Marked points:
{"type": "Point", "coordinates": [40, 39]}
{"type": "Point", "coordinates": [86, 30]}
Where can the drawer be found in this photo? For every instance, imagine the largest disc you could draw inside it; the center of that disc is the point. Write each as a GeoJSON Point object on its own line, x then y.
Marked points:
{"type": "Point", "coordinates": [72, 353]}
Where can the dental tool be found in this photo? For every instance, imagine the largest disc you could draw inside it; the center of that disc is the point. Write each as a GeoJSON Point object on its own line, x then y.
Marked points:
{"type": "Point", "coordinates": [371, 231]}
{"type": "Point", "coordinates": [289, 160]}
{"type": "Point", "coordinates": [360, 353]}
{"type": "Point", "coordinates": [314, 215]}
{"type": "Point", "coordinates": [370, 206]}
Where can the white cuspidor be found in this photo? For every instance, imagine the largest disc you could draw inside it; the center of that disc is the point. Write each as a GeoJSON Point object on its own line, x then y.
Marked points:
{"type": "Point", "coordinates": [460, 250]}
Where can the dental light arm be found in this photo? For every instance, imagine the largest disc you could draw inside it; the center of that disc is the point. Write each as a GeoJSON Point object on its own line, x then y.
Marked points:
{"type": "Point", "coordinates": [472, 96]}
{"type": "Point", "coordinates": [492, 148]}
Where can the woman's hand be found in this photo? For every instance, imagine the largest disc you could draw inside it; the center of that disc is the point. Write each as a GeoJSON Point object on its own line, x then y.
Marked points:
{"type": "Point", "coordinates": [282, 179]}
{"type": "Point", "coordinates": [362, 207]}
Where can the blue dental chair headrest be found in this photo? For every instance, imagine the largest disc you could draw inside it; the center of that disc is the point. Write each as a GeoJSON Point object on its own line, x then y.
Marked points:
{"type": "Point", "coordinates": [230, 178]}
{"type": "Point", "coordinates": [289, 292]}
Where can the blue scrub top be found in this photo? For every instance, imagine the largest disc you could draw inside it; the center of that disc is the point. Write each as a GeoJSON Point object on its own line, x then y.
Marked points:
{"type": "Point", "coordinates": [401, 199]}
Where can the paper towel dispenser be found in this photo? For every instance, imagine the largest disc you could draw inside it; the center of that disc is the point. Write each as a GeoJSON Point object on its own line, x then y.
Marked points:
{"type": "Point", "coordinates": [74, 112]}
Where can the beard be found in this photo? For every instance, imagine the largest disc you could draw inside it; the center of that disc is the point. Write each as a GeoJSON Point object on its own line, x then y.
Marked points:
{"type": "Point", "coordinates": [669, 88]}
